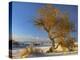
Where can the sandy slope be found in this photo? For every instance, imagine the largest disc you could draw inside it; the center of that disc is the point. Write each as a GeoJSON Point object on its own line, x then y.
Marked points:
{"type": "Point", "coordinates": [59, 51]}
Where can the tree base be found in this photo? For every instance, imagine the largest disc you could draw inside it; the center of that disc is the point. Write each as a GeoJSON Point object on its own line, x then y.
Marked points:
{"type": "Point", "coordinates": [52, 49]}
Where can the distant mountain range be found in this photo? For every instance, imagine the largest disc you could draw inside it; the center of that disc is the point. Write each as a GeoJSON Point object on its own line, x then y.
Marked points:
{"type": "Point", "coordinates": [30, 39]}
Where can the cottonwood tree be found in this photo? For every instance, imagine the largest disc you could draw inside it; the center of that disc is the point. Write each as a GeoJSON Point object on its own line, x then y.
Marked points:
{"type": "Point", "coordinates": [54, 22]}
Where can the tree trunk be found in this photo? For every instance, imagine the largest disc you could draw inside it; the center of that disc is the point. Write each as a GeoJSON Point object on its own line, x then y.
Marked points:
{"type": "Point", "coordinates": [52, 40]}
{"type": "Point", "coordinates": [53, 43]}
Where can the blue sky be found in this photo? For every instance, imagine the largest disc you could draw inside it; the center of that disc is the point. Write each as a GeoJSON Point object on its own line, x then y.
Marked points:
{"type": "Point", "coordinates": [23, 15]}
